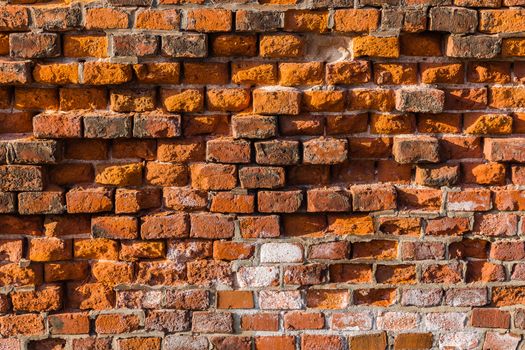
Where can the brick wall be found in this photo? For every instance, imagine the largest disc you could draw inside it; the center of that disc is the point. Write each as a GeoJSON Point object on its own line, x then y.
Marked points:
{"type": "Point", "coordinates": [272, 175]}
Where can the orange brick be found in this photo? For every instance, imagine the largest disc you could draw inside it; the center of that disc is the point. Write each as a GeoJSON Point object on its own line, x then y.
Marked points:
{"type": "Point", "coordinates": [66, 73]}
{"type": "Point", "coordinates": [358, 20]}
{"type": "Point", "coordinates": [232, 250]}
{"type": "Point", "coordinates": [36, 99]}
{"type": "Point", "coordinates": [234, 45]}
{"type": "Point", "coordinates": [209, 20]}
{"type": "Point", "coordinates": [161, 19]}
{"type": "Point", "coordinates": [82, 98]}
{"type": "Point", "coordinates": [105, 73]}
{"type": "Point", "coordinates": [235, 299]}
{"type": "Point", "coordinates": [106, 18]}
{"type": "Point", "coordinates": [85, 46]}
{"type": "Point", "coordinates": [306, 21]}
{"type": "Point", "coordinates": [375, 46]}
{"type": "Point", "coordinates": [281, 46]}
{"type": "Point", "coordinates": [293, 74]}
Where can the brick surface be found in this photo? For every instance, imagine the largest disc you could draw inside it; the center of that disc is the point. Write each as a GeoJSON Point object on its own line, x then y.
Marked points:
{"type": "Point", "coordinates": [272, 174]}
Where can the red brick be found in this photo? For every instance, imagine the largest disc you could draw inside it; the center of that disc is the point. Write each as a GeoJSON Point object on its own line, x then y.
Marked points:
{"type": "Point", "coordinates": [469, 200]}
{"type": "Point", "coordinates": [260, 322]}
{"type": "Point", "coordinates": [187, 45]}
{"type": "Point", "coordinates": [328, 199]}
{"type": "Point", "coordinates": [301, 125]}
{"type": "Point", "coordinates": [416, 149]}
{"type": "Point", "coordinates": [275, 342]}
{"type": "Point", "coordinates": [365, 198]}
{"type": "Point", "coordinates": [121, 227]}
{"type": "Point", "coordinates": [259, 226]}
{"type": "Point", "coordinates": [235, 299]}
{"type": "Point", "coordinates": [212, 226]}
{"type": "Point", "coordinates": [165, 174]}
{"type": "Point", "coordinates": [69, 323]}
{"type": "Point", "coordinates": [279, 201]}
{"type": "Point", "coordinates": [105, 73]}
{"type": "Point", "coordinates": [490, 318]}
{"type": "Point", "coordinates": [116, 323]}
{"type": "Point", "coordinates": [213, 176]}
{"type": "Point", "coordinates": [419, 199]}
{"type": "Point", "coordinates": [507, 250]}
{"type": "Point", "coordinates": [413, 341]}
{"type": "Point", "coordinates": [57, 125]}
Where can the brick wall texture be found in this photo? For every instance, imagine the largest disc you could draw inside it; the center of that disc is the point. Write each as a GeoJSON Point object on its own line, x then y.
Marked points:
{"type": "Point", "coordinates": [271, 175]}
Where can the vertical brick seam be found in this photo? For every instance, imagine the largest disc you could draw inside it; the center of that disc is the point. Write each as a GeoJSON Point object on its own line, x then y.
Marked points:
{"type": "Point", "coordinates": [280, 174]}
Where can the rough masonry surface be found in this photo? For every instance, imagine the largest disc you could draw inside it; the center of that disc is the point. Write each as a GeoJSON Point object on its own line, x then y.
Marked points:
{"type": "Point", "coordinates": [262, 175]}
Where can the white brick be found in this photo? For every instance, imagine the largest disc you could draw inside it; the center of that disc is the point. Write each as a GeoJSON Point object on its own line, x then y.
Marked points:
{"type": "Point", "coordinates": [445, 321]}
{"type": "Point", "coordinates": [460, 340]}
{"type": "Point", "coordinates": [495, 341]}
{"type": "Point", "coordinates": [421, 297]}
{"type": "Point", "coordinates": [352, 321]}
{"type": "Point", "coordinates": [185, 342]}
{"type": "Point", "coordinates": [466, 297]}
{"type": "Point", "coordinates": [397, 321]}
{"type": "Point", "coordinates": [280, 300]}
{"type": "Point", "coordinates": [281, 253]}
{"type": "Point", "coordinates": [258, 276]}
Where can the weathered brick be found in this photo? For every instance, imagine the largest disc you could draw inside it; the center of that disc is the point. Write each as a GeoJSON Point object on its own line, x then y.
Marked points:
{"type": "Point", "coordinates": [505, 150]}
{"type": "Point", "coordinates": [14, 18]}
{"type": "Point", "coordinates": [264, 21]}
{"type": "Point", "coordinates": [324, 151]}
{"type": "Point", "coordinates": [453, 19]}
{"type": "Point", "coordinates": [58, 18]}
{"type": "Point", "coordinates": [34, 45]}
{"type": "Point", "coordinates": [420, 100]}
{"type": "Point", "coordinates": [279, 201]}
{"type": "Point", "coordinates": [107, 125]}
{"type": "Point", "coordinates": [209, 20]}
{"type": "Point", "coordinates": [21, 178]}
{"type": "Point", "coordinates": [478, 46]}
{"type": "Point", "coordinates": [416, 150]}
{"type": "Point", "coordinates": [134, 45]}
